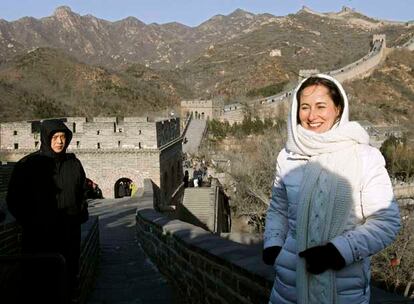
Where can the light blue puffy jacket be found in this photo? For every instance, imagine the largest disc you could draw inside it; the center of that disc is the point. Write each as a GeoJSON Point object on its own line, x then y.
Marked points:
{"type": "Point", "coordinates": [372, 225]}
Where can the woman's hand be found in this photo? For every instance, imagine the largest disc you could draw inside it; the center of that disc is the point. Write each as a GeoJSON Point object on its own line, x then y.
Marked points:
{"type": "Point", "coordinates": [320, 258]}
{"type": "Point", "coordinates": [270, 254]}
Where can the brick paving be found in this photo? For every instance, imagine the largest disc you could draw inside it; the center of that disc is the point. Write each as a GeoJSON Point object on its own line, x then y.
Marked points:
{"type": "Point", "coordinates": [125, 274]}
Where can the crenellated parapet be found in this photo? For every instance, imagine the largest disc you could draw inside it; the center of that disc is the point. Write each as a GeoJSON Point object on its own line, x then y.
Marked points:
{"type": "Point", "coordinates": [202, 109]}
{"type": "Point", "coordinates": [357, 69]}
{"type": "Point", "coordinates": [110, 148]}
{"type": "Point", "coordinates": [96, 133]}
{"type": "Point", "coordinates": [379, 37]}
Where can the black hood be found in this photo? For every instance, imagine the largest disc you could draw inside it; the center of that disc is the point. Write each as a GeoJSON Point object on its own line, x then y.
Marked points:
{"type": "Point", "coordinates": [47, 129]}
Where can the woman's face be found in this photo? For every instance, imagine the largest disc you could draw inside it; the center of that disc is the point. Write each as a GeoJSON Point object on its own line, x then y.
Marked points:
{"type": "Point", "coordinates": [317, 111]}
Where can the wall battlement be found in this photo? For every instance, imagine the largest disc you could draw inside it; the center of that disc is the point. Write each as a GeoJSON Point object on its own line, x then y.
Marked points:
{"type": "Point", "coordinates": [110, 148]}
{"type": "Point", "coordinates": [96, 133]}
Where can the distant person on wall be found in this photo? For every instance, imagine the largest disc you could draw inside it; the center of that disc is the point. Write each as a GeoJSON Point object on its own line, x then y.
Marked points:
{"type": "Point", "coordinates": [332, 204]}
{"type": "Point", "coordinates": [121, 189]}
{"type": "Point", "coordinates": [127, 188]}
{"type": "Point", "coordinates": [133, 188]}
{"type": "Point", "coordinates": [186, 178]}
{"type": "Point", "coordinates": [50, 207]}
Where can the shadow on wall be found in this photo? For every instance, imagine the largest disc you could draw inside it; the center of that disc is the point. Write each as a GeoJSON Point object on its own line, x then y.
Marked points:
{"type": "Point", "coordinates": [201, 264]}
{"type": "Point", "coordinates": [186, 215]}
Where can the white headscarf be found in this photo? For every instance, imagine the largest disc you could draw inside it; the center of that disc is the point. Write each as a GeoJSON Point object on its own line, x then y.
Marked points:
{"type": "Point", "coordinates": [304, 142]}
{"type": "Point", "coordinates": [329, 187]}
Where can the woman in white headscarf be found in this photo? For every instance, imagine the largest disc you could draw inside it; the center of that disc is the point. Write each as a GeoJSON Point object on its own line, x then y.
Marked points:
{"type": "Point", "coordinates": [332, 203]}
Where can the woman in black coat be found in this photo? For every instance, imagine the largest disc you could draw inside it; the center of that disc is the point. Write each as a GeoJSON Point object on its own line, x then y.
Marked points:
{"type": "Point", "coordinates": [46, 196]}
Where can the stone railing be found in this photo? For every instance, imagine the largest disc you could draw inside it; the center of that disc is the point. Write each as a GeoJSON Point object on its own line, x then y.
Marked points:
{"type": "Point", "coordinates": [204, 267]}
{"type": "Point", "coordinates": [10, 257]}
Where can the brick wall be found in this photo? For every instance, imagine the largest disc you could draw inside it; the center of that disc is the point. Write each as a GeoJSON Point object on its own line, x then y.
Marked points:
{"type": "Point", "coordinates": [204, 267]}
{"type": "Point", "coordinates": [205, 108]}
{"type": "Point", "coordinates": [106, 167]}
{"type": "Point", "coordinates": [99, 133]}
{"type": "Point", "coordinates": [111, 149]}
{"type": "Point", "coordinates": [233, 115]}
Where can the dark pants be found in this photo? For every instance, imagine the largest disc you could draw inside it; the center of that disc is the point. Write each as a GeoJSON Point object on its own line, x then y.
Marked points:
{"type": "Point", "coordinates": [52, 275]}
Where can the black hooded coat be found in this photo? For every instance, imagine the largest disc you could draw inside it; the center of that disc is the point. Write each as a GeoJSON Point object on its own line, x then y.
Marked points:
{"type": "Point", "coordinates": [45, 195]}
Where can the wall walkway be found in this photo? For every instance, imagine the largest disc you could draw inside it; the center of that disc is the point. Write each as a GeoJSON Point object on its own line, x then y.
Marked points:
{"type": "Point", "coordinates": [194, 135]}
{"type": "Point", "coordinates": [125, 274]}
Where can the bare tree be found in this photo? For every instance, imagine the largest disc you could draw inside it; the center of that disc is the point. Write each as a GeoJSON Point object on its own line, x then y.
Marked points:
{"type": "Point", "coordinates": [393, 268]}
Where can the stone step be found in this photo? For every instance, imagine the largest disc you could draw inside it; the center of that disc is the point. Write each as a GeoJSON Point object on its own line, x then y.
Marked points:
{"type": "Point", "coordinates": [198, 201]}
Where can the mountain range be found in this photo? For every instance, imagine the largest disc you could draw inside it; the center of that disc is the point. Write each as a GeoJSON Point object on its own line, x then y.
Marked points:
{"type": "Point", "coordinates": [76, 65]}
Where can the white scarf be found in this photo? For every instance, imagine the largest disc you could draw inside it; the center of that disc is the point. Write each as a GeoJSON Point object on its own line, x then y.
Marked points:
{"type": "Point", "coordinates": [329, 187]}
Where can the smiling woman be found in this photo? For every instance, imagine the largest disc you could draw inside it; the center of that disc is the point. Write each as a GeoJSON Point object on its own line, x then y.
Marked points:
{"type": "Point", "coordinates": [332, 204]}
{"type": "Point", "coordinates": [320, 105]}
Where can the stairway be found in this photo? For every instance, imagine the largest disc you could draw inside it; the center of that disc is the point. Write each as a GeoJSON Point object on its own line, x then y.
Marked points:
{"type": "Point", "coordinates": [194, 135]}
{"type": "Point", "coordinates": [198, 207]}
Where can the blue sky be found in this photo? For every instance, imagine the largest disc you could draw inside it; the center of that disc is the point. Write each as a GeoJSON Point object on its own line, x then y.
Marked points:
{"type": "Point", "coordinates": [192, 12]}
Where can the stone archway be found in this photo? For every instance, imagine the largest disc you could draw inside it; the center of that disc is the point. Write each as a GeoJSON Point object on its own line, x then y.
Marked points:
{"type": "Point", "coordinates": [122, 187]}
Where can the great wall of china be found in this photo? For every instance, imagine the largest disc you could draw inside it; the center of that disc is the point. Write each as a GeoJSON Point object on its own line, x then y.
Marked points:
{"type": "Point", "coordinates": [200, 264]}
{"type": "Point", "coordinates": [270, 105]}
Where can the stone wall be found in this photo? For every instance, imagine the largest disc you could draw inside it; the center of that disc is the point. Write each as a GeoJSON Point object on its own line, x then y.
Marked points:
{"type": "Point", "coordinates": [270, 106]}
{"type": "Point", "coordinates": [364, 66]}
{"type": "Point", "coordinates": [18, 135]}
{"type": "Point", "coordinates": [233, 113]}
{"type": "Point", "coordinates": [99, 133]}
{"type": "Point", "coordinates": [171, 169]}
{"type": "Point", "coordinates": [106, 167]}
{"type": "Point", "coordinates": [111, 148]}
{"type": "Point", "coordinates": [202, 109]}
{"type": "Point", "coordinates": [360, 68]}
{"type": "Point", "coordinates": [204, 267]}
{"type": "Point", "coordinates": [274, 108]}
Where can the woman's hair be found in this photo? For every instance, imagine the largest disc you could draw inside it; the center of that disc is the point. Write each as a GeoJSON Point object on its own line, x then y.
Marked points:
{"type": "Point", "coordinates": [333, 92]}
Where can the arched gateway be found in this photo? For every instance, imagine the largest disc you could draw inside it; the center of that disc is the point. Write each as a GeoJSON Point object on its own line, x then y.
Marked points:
{"type": "Point", "coordinates": [122, 187]}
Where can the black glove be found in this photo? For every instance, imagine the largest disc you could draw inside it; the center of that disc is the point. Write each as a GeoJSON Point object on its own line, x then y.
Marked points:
{"type": "Point", "coordinates": [320, 258]}
{"type": "Point", "coordinates": [270, 254]}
